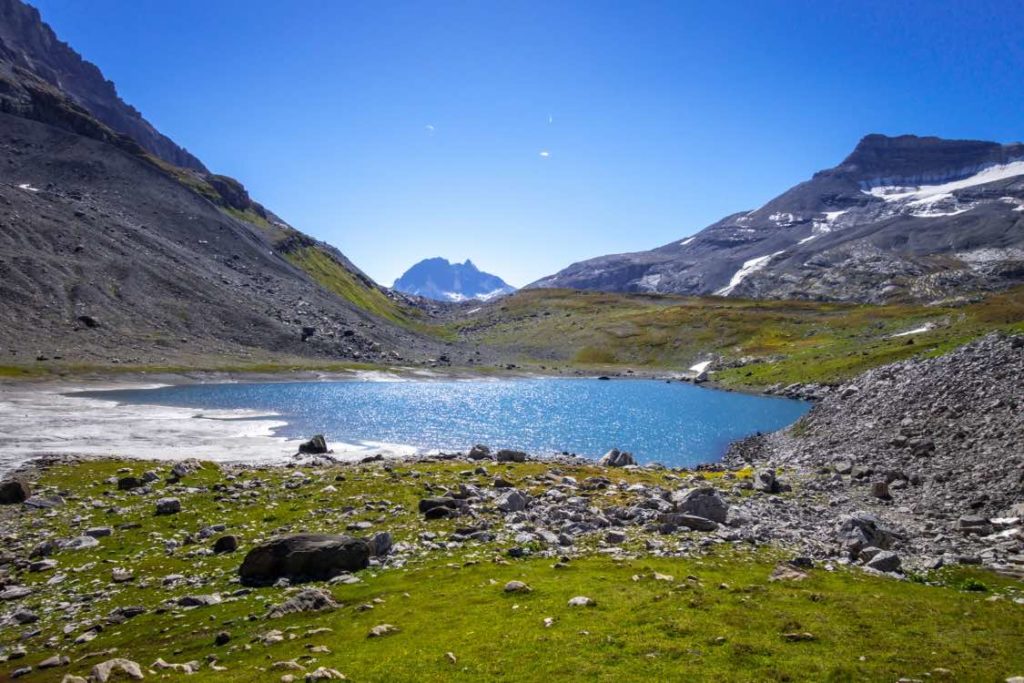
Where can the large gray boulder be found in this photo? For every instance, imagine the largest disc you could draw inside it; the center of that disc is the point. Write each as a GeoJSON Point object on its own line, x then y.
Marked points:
{"type": "Point", "coordinates": [616, 458]}
{"type": "Point", "coordinates": [303, 557]}
{"type": "Point", "coordinates": [862, 530]}
{"type": "Point", "coordinates": [511, 501]}
{"type": "Point", "coordinates": [506, 455]}
{"type": "Point", "coordinates": [704, 501]}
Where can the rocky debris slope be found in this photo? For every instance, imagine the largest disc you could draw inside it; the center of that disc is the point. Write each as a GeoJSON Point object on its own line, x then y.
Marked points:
{"type": "Point", "coordinates": [906, 216]}
{"type": "Point", "coordinates": [924, 457]}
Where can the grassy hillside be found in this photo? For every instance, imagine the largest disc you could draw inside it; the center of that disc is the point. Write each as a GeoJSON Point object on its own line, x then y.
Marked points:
{"type": "Point", "coordinates": [711, 616]}
{"type": "Point", "coordinates": [774, 341]}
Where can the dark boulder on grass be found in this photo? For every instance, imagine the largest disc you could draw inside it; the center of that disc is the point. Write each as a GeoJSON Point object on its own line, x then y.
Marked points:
{"type": "Point", "coordinates": [303, 557]}
{"type": "Point", "coordinates": [315, 446]}
{"type": "Point", "coordinates": [14, 491]}
{"type": "Point", "coordinates": [225, 544]}
{"type": "Point", "coordinates": [129, 483]}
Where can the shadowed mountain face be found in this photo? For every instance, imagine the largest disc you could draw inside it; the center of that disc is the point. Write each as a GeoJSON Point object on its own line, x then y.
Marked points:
{"type": "Point", "coordinates": [436, 278]}
{"type": "Point", "coordinates": [117, 246]}
{"type": "Point", "coordinates": [902, 217]}
{"type": "Point", "coordinates": [30, 47]}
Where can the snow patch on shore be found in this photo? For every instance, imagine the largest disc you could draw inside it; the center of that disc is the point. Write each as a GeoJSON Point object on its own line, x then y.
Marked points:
{"type": "Point", "coordinates": [37, 421]}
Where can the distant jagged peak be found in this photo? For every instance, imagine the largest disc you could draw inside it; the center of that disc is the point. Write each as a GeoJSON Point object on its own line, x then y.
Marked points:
{"type": "Point", "coordinates": [443, 280]}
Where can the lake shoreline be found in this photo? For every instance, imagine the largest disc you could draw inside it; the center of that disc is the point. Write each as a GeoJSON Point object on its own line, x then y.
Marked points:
{"type": "Point", "coordinates": [54, 418]}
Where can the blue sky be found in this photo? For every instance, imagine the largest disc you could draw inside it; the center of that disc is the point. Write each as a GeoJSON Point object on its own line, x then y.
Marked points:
{"type": "Point", "coordinates": [399, 131]}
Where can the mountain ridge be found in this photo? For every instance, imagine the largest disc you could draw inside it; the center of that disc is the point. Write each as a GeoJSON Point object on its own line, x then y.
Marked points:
{"type": "Point", "coordinates": [848, 234]}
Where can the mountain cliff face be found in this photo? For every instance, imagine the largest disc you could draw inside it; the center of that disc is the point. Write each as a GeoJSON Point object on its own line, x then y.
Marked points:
{"type": "Point", "coordinates": [436, 278]}
{"type": "Point", "coordinates": [901, 217]}
{"type": "Point", "coordinates": [30, 48]}
{"type": "Point", "coordinates": [117, 246]}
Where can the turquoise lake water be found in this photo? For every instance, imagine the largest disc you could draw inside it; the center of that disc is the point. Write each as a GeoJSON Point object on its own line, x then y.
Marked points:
{"type": "Point", "coordinates": [673, 423]}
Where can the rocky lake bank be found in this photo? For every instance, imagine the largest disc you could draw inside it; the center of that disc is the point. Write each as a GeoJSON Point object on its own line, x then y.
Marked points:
{"type": "Point", "coordinates": [145, 561]}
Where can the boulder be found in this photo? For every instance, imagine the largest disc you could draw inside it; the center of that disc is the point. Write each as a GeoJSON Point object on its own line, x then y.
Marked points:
{"type": "Point", "coordinates": [308, 600]}
{"type": "Point", "coordinates": [479, 452]}
{"type": "Point", "coordinates": [766, 482]}
{"type": "Point", "coordinates": [616, 458]}
{"type": "Point", "coordinates": [226, 544]}
{"type": "Point", "coordinates": [381, 544]}
{"type": "Point", "coordinates": [885, 561]}
{"type": "Point", "coordinates": [505, 455]}
{"type": "Point", "coordinates": [315, 446]}
{"type": "Point", "coordinates": [112, 669]}
{"type": "Point", "coordinates": [303, 557]}
{"type": "Point", "coordinates": [880, 490]}
{"type": "Point", "coordinates": [861, 530]}
{"type": "Point", "coordinates": [14, 491]}
{"type": "Point", "coordinates": [168, 506]}
{"type": "Point", "coordinates": [511, 501]}
{"type": "Point", "coordinates": [129, 483]}
{"type": "Point", "coordinates": [186, 467]}
{"type": "Point", "coordinates": [974, 525]}
{"type": "Point", "coordinates": [703, 501]}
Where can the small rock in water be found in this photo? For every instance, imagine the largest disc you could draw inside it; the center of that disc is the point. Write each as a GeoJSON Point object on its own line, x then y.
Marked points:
{"type": "Point", "coordinates": [315, 446]}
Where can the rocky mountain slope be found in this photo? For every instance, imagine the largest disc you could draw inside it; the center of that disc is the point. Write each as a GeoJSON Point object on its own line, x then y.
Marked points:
{"type": "Point", "coordinates": [118, 246]}
{"type": "Point", "coordinates": [901, 217]}
{"type": "Point", "coordinates": [436, 278]}
{"type": "Point", "coordinates": [928, 455]}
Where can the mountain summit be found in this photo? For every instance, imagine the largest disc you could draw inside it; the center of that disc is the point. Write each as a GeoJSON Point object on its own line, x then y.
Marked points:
{"type": "Point", "coordinates": [436, 278]}
{"type": "Point", "coordinates": [900, 217]}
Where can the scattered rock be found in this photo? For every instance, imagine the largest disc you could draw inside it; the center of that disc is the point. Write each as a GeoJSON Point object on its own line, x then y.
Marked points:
{"type": "Point", "coordinates": [168, 506]}
{"type": "Point", "coordinates": [308, 600]}
{"type": "Point", "coordinates": [225, 544]}
{"type": "Point", "coordinates": [517, 587]}
{"type": "Point", "coordinates": [582, 601]}
{"type": "Point", "coordinates": [382, 630]}
{"type": "Point", "coordinates": [103, 672]}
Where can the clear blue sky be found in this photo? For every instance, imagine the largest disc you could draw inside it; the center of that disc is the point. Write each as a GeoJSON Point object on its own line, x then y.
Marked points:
{"type": "Point", "coordinates": [399, 131]}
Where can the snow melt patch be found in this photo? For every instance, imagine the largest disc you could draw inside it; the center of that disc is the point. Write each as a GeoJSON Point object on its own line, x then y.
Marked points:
{"type": "Point", "coordinates": [687, 241]}
{"type": "Point", "coordinates": [782, 219]}
{"type": "Point", "coordinates": [700, 367]}
{"type": "Point", "coordinates": [823, 227]}
{"type": "Point", "coordinates": [27, 187]}
{"type": "Point", "coordinates": [917, 330]}
{"type": "Point", "coordinates": [748, 267]}
{"type": "Point", "coordinates": [893, 193]}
